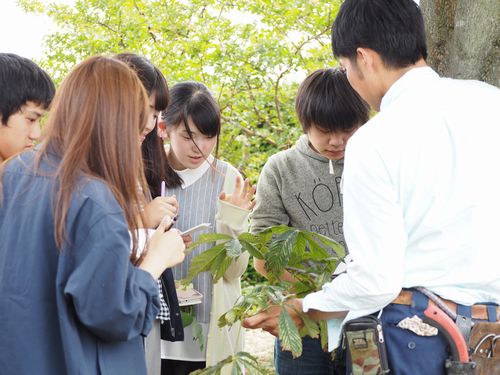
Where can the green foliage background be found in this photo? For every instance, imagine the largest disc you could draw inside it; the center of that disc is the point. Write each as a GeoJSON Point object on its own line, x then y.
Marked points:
{"type": "Point", "coordinates": [252, 54]}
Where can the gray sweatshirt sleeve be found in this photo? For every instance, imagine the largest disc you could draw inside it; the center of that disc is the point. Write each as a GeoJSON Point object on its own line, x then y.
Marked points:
{"type": "Point", "coordinates": [269, 209]}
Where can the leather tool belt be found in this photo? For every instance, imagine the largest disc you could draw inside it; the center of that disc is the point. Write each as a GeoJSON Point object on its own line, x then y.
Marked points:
{"type": "Point", "coordinates": [479, 312]}
{"type": "Point", "coordinates": [482, 340]}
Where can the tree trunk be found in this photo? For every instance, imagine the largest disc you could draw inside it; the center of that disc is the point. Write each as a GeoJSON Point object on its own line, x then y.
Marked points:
{"type": "Point", "coordinates": [463, 38]}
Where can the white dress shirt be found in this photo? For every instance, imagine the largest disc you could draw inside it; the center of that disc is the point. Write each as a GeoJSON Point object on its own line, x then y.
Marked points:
{"type": "Point", "coordinates": [421, 198]}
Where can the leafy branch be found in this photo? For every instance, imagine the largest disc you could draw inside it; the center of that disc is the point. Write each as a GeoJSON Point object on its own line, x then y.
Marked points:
{"type": "Point", "coordinates": [310, 258]}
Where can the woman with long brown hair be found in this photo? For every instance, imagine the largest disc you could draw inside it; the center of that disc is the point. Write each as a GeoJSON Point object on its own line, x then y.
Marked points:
{"type": "Point", "coordinates": [73, 299]}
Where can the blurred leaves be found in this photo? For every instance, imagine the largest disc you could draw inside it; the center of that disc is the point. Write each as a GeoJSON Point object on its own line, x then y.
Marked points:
{"type": "Point", "coordinates": [251, 54]}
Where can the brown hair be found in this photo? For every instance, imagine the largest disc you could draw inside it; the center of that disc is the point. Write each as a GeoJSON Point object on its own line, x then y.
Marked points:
{"type": "Point", "coordinates": [94, 126]}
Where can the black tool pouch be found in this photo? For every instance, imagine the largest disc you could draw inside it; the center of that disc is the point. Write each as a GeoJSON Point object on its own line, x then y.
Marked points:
{"type": "Point", "coordinates": [363, 340]}
{"type": "Point", "coordinates": [485, 347]}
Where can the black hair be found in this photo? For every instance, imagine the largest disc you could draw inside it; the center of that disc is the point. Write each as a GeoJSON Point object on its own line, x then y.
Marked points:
{"type": "Point", "coordinates": [22, 81]}
{"type": "Point", "coordinates": [326, 100]}
{"type": "Point", "coordinates": [193, 100]}
{"type": "Point", "coordinates": [392, 28]}
{"type": "Point", "coordinates": [156, 165]}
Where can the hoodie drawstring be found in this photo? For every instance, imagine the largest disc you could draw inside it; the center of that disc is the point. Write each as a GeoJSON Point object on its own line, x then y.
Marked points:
{"type": "Point", "coordinates": [332, 172]}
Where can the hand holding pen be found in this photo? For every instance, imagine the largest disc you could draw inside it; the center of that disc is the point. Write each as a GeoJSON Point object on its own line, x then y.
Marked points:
{"type": "Point", "coordinates": [156, 259]}
{"type": "Point", "coordinates": [160, 207]}
{"type": "Point", "coordinates": [188, 239]}
{"type": "Point", "coordinates": [173, 217]}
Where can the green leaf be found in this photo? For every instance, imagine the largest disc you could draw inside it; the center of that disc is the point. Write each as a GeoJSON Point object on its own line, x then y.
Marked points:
{"type": "Point", "coordinates": [322, 279]}
{"type": "Point", "coordinates": [249, 363]}
{"type": "Point", "coordinates": [218, 272]}
{"type": "Point", "coordinates": [280, 229]}
{"type": "Point", "coordinates": [250, 238]}
{"type": "Point", "coordinates": [298, 249]}
{"type": "Point", "coordinates": [311, 328]}
{"type": "Point", "coordinates": [229, 317]}
{"type": "Point", "coordinates": [187, 315]}
{"type": "Point", "coordinates": [280, 252]}
{"type": "Point", "coordinates": [252, 249]}
{"type": "Point", "coordinates": [323, 333]}
{"type": "Point", "coordinates": [233, 248]}
{"type": "Point", "coordinates": [334, 245]}
{"type": "Point", "coordinates": [209, 237]}
{"type": "Point", "coordinates": [289, 334]}
{"type": "Point", "coordinates": [198, 333]}
{"type": "Point", "coordinates": [236, 369]}
{"type": "Point", "coordinates": [202, 262]}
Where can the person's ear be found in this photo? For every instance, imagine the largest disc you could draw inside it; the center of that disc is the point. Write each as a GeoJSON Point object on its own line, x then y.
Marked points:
{"type": "Point", "coordinates": [162, 130]}
{"type": "Point", "coordinates": [364, 58]}
{"type": "Point", "coordinates": [369, 59]}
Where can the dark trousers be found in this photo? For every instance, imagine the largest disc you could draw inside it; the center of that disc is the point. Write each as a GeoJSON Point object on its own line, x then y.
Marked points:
{"type": "Point", "coordinates": [313, 361]}
{"type": "Point", "coordinates": [408, 353]}
{"type": "Point", "coordinates": [173, 367]}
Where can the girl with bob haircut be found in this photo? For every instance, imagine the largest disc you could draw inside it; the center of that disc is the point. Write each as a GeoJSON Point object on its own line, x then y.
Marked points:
{"type": "Point", "coordinates": [74, 298]}
{"type": "Point", "coordinates": [208, 191]}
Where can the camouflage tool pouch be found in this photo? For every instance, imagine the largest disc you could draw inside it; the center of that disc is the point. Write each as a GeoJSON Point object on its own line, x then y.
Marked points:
{"type": "Point", "coordinates": [485, 347]}
{"type": "Point", "coordinates": [365, 346]}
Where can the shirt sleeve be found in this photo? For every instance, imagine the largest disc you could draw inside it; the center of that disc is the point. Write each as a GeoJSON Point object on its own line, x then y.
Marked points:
{"type": "Point", "coordinates": [111, 298]}
{"type": "Point", "coordinates": [269, 209]}
{"type": "Point", "coordinates": [375, 233]}
{"type": "Point", "coordinates": [232, 220]}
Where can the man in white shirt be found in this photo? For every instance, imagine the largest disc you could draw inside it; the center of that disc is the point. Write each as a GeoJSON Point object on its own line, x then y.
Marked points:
{"type": "Point", "coordinates": [421, 187]}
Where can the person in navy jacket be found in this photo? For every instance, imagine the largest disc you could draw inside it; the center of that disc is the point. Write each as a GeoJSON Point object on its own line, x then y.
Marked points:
{"type": "Point", "coordinates": [74, 299]}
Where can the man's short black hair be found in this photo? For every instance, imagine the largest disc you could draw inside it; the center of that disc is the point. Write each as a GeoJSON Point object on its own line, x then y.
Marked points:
{"type": "Point", "coordinates": [21, 81]}
{"type": "Point", "coordinates": [326, 100]}
{"type": "Point", "coordinates": [392, 28]}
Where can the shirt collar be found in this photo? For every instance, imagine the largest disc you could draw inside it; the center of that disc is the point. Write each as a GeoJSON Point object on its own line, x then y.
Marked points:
{"type": "Point", "coordinates": [413, 77]}
{"type": "Point", "coordinates": [190, 176]}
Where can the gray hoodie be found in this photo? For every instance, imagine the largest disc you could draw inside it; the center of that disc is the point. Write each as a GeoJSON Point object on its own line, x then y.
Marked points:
{"type": "Point", "coordinates": [296, 188]}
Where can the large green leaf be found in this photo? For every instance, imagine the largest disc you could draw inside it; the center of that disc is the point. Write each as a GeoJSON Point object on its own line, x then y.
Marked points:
{"type": "Point", "coordinates": [250, 238]}
{"type": "Point", "coordinates": [289, 334]}
{"type": "Point", "coordinates": [298, 249]}
{"type": "Point", "coordinates": [311, 328]}
{"type": "Point", "coordinates": [316, 250]}
{"type": "Point", "coordinates": [209, 237]}
{"type": "Point", "coordinates": [202, 262]}
{"type": "Point", "coordinates": [252, 249]}
{"type": "Point", "coordinates": [329, 243]}
{"type": "Point", "coordinates": [218, 272]}
{"type": "Point", "coordinates": [249, 363]}
{"type": "Point", "coordinates": [280, 251]}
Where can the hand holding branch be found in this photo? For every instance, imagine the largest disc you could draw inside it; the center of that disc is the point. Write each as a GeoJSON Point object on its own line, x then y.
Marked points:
{"type": "Point", "coordinates": [268, 320]}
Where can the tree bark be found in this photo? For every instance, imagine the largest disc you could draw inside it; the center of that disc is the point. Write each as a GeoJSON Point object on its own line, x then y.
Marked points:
{"type": "Point", "coordinates": [463, 38]}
